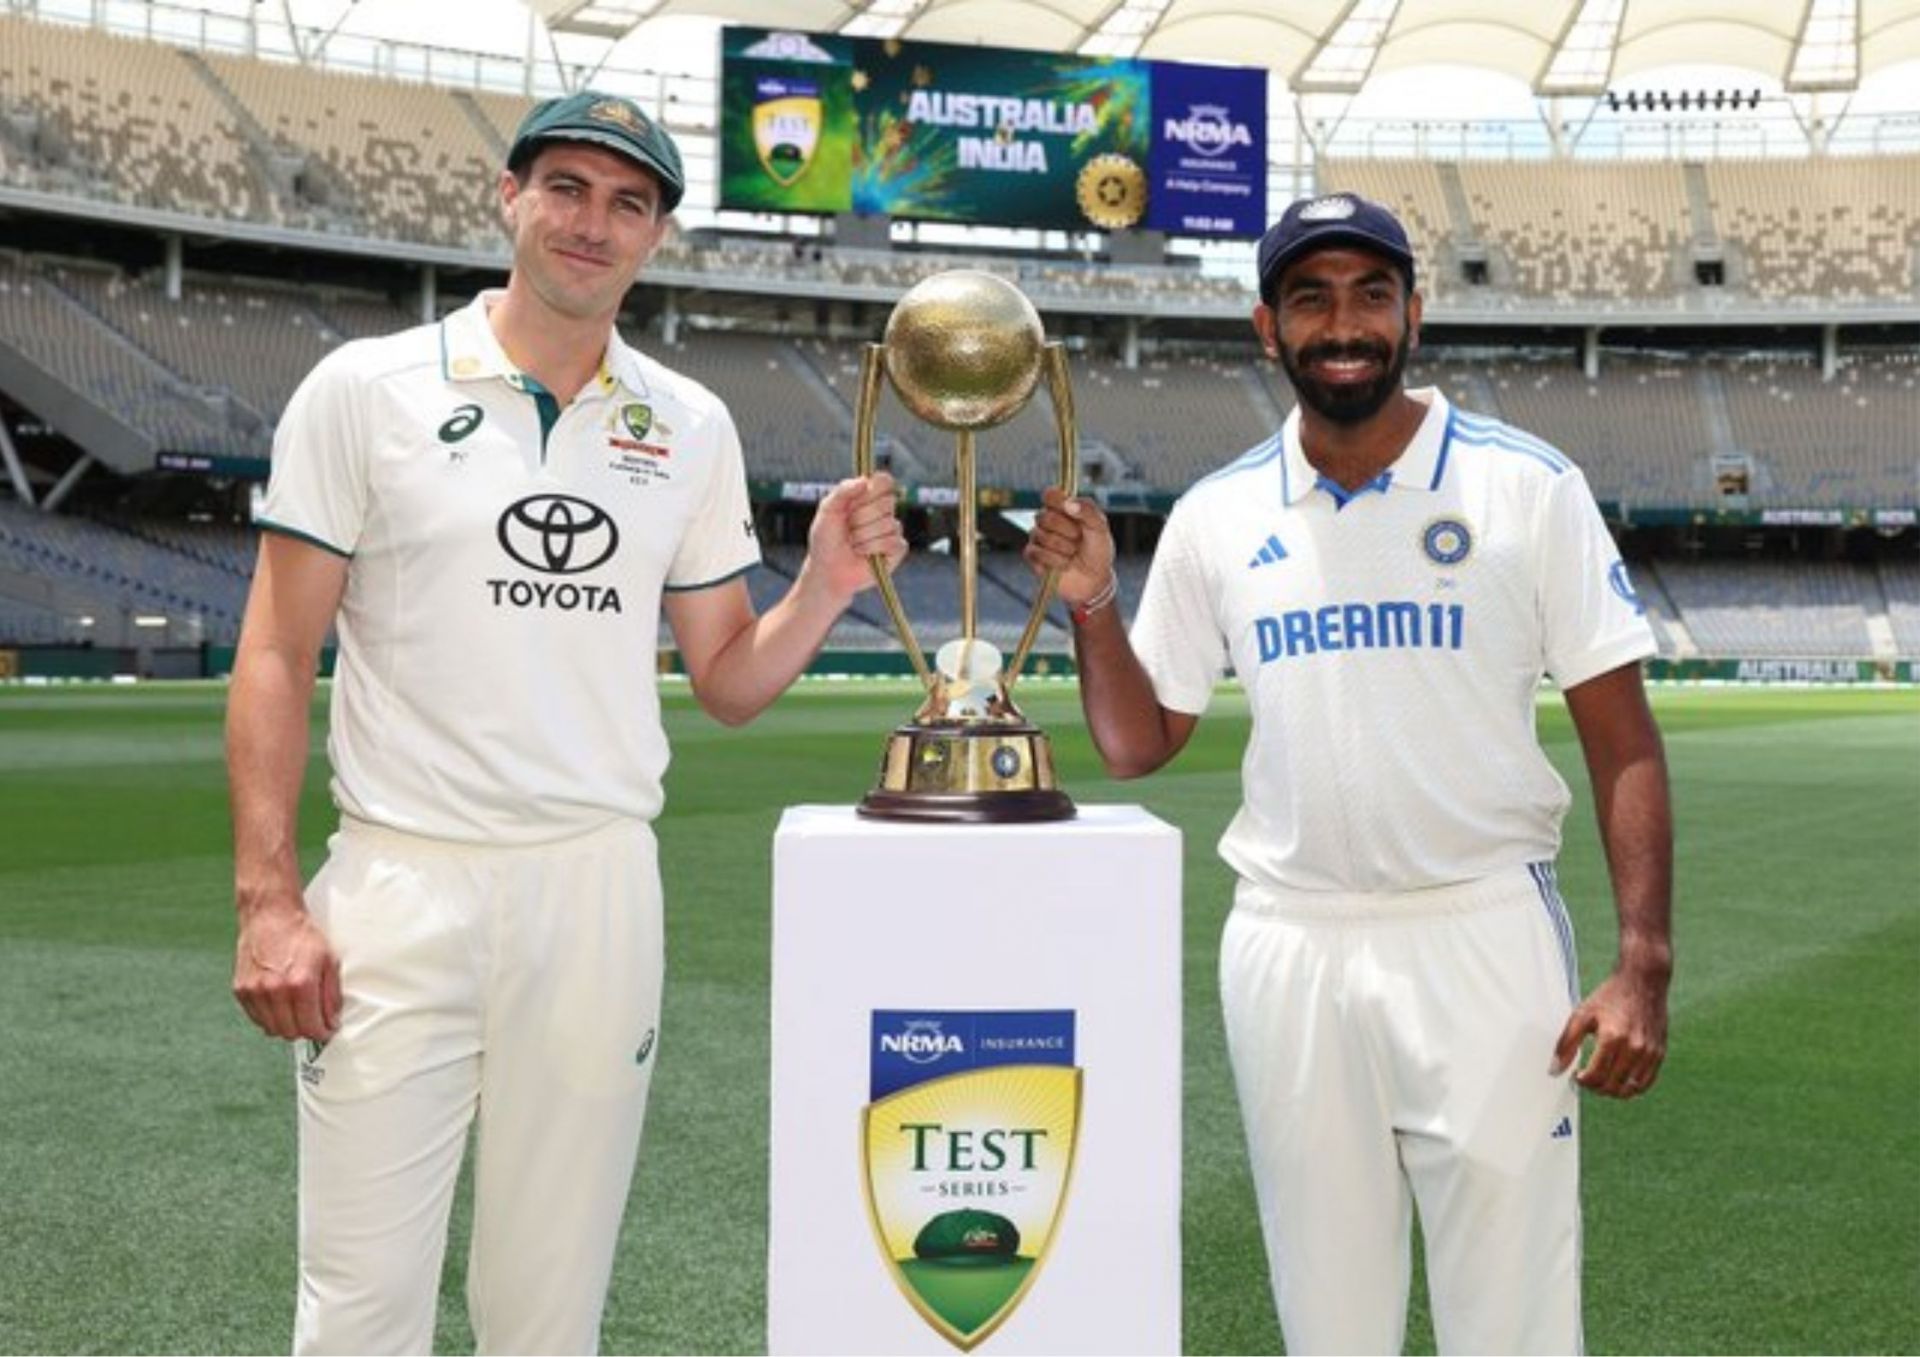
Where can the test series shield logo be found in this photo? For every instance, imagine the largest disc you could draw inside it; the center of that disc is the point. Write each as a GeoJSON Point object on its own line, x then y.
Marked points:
{"type": "Point", "coordinates": [787, 117]}
{"type": "Point", "coordinates": [968, 1158]}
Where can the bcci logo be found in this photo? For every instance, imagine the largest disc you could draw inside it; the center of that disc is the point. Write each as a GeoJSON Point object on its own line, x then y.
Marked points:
{"type": "Point", "coordinates": [787, 117]}
{"type": "Point", "coordinates": [1446, 541]}
{"type": "Point", "coordinates": [1337, 208]}
{"type": "Point", "coordinates": [966, 1164]}
{"type": "Point", "coordinates": [558, 534]}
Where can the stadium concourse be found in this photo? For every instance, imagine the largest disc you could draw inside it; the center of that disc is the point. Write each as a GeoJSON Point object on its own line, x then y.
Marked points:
{"type": "Point", "coordinates": [1721, 332]}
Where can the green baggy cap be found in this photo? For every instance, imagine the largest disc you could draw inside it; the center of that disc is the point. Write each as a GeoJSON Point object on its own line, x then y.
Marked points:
{"type": "Point", "coordinates": [967, 1236]}
{"type": "Point", "coordinates": [608, 120]}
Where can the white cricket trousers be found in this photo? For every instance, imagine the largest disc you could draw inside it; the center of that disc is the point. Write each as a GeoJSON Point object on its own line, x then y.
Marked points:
{"type": "Point", "coordinates": [513, 990]}
{"type": "Point", "coordinates": [1393, 1051]}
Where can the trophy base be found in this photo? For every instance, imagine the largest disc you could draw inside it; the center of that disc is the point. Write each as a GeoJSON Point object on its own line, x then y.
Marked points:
{"type": "Point", "coordinates": [968, 772]}
{"type": "Point", "coordinates": [967, 808]}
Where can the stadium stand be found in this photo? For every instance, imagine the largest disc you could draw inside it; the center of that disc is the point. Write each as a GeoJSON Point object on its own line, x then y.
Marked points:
{"type": "Point", "coordinates": [122, 570]}
{"type": "Point", "coordinates": [44, 320]}
{"type": "Point", "coordinates": [1900, 582]}
{"type": "Point", "coordinates": [789, 426]}
{"type": "Point", "coordinates": [123, 119]}
{"type": "Point", "coordinates": [375, 157]}
{"type": "Point", "coordinates": [1812, 610]}
{"type": "Point", "coordinates": [23, 623]}
{"type": "Point", "coordinates": [1847, 441]}
{"type": "Point", "coordinates": [247, 342]}
{"type": "Point", "coordinates": [1854, 237]}
{"type": "Point", "coordinates": [766, 322]}
{"type": "Point", "coordinates": [1657, 455]}
{"type": "Point", "coordinates": [1615, 232]}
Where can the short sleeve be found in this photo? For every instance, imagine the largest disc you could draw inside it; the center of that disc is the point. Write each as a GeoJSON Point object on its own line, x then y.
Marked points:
{"type": "Point", "coordinates": [1175, 632]}
{"type": "Point", "coordinates": [1591, 618]}
{"type": "Point", "coordinates": [719, 541]}
{"type": "Point", "coordinates": [317, 490]}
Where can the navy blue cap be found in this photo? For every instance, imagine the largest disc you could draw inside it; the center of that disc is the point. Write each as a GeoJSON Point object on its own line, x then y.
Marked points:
{"type": "Point", "coordinates": [1332, 219]}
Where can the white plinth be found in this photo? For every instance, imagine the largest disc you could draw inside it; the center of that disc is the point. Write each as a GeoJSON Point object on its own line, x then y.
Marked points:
{"type": "Point", "coordinates": [1083, 916]}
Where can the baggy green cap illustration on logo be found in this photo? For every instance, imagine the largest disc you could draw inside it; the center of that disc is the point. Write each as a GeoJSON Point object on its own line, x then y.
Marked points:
{"type": "Point", "coordinates": [965, 1237]}
{"type": "Point", "coordinates": [940, 1135]}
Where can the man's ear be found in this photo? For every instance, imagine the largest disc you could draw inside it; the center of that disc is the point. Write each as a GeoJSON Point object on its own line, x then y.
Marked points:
{"type": "Point", "coordinates": [510, 188]}
{"type": "Point", "coordinates": [1266, 324]}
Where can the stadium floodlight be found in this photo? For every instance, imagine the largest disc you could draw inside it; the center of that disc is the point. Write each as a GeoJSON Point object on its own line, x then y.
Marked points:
{"type": "Point", "coordinates": [149, 620]}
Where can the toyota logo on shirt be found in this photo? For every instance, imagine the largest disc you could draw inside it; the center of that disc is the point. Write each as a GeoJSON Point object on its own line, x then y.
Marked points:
{"type": "Point", "coordinates": [558, 534]}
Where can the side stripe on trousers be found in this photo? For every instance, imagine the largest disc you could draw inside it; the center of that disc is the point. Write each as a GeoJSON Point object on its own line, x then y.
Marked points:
{"type": "Point", "coordinates": [1547, 881]}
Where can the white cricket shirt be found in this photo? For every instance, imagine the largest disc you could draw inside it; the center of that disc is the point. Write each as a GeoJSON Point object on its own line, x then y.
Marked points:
{"type": "Point", "coordinates": [1390, 643]}
{"type": "Point", "coordinates": [495, 680]}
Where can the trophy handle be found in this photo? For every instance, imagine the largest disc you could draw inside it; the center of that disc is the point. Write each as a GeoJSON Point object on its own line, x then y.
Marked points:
{"type": "Point", "coordinates": [1064, 425]}
{"type": "Point", "coordinates": [866, 407]}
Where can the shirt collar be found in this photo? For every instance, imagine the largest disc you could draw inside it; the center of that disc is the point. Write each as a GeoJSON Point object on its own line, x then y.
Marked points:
{"type": "Point", "coordinates": [471, 352]}
{"type": "Point", "coordinates": [1421, 464]}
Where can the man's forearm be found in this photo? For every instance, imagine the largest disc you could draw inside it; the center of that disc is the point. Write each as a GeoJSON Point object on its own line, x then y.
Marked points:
{"type": "Point", "coordinates": [1123, 713]}
{"type": "Point", "coordinates": [1636, 826]}
{"type": "Point", "coordinates": [266, 765]}
{"type": "Point", "coordinates": [768, 653]}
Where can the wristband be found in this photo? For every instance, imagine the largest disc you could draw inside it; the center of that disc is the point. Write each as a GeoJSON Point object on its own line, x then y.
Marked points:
{"type": "Point", "coordinates": [1081, 613]}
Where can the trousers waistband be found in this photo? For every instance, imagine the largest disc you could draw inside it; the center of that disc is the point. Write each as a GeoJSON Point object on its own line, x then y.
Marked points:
{"type": "Point", "coordinates": [368, 832]}
{"type": "Point", "coordinates": [1513, 885]}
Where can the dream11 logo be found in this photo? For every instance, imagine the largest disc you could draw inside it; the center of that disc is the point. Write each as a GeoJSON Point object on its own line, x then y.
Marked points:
{"type": "Point", "coordinates": [556, 535]}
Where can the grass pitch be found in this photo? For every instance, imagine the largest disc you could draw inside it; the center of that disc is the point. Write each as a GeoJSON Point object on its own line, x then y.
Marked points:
{"type": "Point", "coordinates": [1764, 1199]}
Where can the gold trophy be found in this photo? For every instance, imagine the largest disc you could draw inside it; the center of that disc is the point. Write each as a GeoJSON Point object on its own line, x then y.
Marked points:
{"type": "Point", "coordinates": [965, 350]}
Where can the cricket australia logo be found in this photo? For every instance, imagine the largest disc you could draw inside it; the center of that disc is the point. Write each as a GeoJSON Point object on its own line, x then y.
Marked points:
{"type": "Point", "coordinates": [967, 1151]}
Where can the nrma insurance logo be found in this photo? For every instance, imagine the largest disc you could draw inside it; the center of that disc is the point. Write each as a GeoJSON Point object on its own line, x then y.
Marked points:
{"type": "Point", "coordinates": [1209, 129]}
{"type": "Point", "coordinates": [967, 1148]}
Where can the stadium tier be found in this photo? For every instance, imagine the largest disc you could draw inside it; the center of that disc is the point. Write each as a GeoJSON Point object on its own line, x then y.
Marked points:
{"type": "Point", "coordinates": [117, 573]}
{"type": "Point", "coordinates": [210, 371]}
{"type": "Point", "coordinates": [269, 142]}
{"type": "Point", "coordinates": [283, 209]}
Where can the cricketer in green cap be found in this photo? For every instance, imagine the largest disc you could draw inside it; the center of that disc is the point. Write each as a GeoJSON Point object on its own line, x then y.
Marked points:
{"type": "Point", "coordinates": [608, 120]}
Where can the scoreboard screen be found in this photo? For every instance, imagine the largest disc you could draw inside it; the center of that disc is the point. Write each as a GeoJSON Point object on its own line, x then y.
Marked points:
{"type": "Point", "coordinates": [987, 136]}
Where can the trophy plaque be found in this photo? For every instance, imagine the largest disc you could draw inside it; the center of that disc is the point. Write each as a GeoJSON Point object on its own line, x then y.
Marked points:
{"type": "Point", "coordinates": [964, 351]}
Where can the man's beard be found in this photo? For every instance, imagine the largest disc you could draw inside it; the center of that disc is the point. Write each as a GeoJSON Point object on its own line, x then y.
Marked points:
{"type": "Point", "coordinates": [1348, 403]}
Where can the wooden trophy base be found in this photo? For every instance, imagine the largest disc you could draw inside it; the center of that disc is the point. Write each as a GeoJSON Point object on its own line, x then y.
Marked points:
{"type": "Point", "coordinates": [968, 772]}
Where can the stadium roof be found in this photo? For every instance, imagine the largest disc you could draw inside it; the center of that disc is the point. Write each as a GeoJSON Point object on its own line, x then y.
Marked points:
{"type": "Point", "coordinates": [1554, 46]}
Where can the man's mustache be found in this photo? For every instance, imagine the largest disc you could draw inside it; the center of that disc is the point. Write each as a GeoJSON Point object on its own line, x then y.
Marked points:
{"type": "Point", "coordinates": [1334, 353]}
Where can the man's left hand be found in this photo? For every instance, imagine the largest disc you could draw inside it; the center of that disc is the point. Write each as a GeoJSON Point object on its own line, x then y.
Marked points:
{"type": "Point", "coordinates": [856, 521]}
{"type": "Point", "coordinates": [1627, 1018]}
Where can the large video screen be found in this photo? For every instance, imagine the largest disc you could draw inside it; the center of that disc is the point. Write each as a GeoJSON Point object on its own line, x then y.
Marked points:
{"type": "Point", "coordinates": [986, 136]}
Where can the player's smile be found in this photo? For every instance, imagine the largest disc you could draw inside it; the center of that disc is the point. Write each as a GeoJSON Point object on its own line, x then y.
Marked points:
{"type": "Point", "coordinates": [1345, 364]}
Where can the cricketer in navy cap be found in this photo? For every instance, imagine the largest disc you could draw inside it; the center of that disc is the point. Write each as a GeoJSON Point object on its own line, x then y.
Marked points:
{"type": "Point", "coordinates": [1332, 219]}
